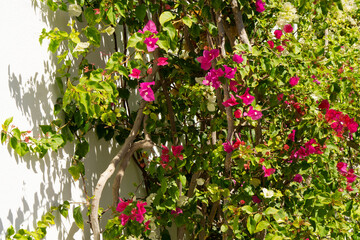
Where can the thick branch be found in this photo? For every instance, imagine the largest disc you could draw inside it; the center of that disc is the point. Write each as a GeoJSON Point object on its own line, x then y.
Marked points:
{"type": "Point", "coordinates": [110, 170]}
{"type": "Point", "coordinates": [124, 163]}
{"type": "Point", "coordinates": [229, 115]}
{"type": "Point", "coordinates": [239, 23]}
{"type": "Point", "coordinates": [170, 111]}
{"type": "Point", "coordinates": [190, 194]}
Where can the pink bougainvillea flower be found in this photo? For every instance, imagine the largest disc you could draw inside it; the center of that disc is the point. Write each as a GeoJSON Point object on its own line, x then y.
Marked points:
{"type": "Point", "coordinates": [140, 205]}
{"type": "Point", "coordinates": [230, 102]}
{"type": "Point", "coordinates": [146, 92]}
{"type": "Point", "coordinates": [254, 114]}
{"type": "Point", "coordinates": [212, 78]}
{"type": "Point", "coordinates": [229, 72]}
{"type": "Point", "coordinates": [246, 97]}
{"type": "Point", "coordinates": [97, 11]}
{"type": "Point", "coordinates": [268, 172]}
{"type": "Point", "coordinates": [256, 199]}
{"type": "Point", "coordinates": [298, 178]}
{"type": "Point", "coordinates": [351, 177]}
{"type": "Point", "coordinates": [228, 147]}
{"type": "Point", "coordinates": [294, 81]}
{"type": "Point", "coordinates": [324, 104]}
{"type": "Point", "coordinates": [349, 188]}
{"type": "Point", "coordinates": [315, 79]}
{"type": "Point", "coordinates": [207, 57]}
{"type": "Point", "coordinates": [122, 205]}
{"type": "Point", "coordinates": [164, 150]}
{"type": "Point", "coordinates": [177, 211]}
{"type": "Point", "coordinates": [352, 125]}
{"type": "Point", "coordinates": [260, 6]}
{"type": "Point", "coordinates": [288, 28]}
{"type": "Point", "coordinates": [237, 143]}
{"type": "Point", "coordinates": [150, 26]}
{"type": "Point", "coordinates": [280, 96]}
{"type": "Point", "coordinates": [135, 73]}
{"type": "Point", "coordinates": [124, 219]}
{"type": "Point", "coordinates": [237, 113]}
{"type": "Point", "coordinates": [177, 151]}
{"type": "Point", "coordinates": [233, 85]}
{"type": "Point", "coordinates": [162, 61]}
{"type": "Point", "coordinates": [147, 225]}
{"type": "Point", "coordinates": [278, 34]}
{"type": "Point", "coordinates": [280, 48]}
{"type": "Point", "coordinates": [271, 44]}
{"type": "Point", "coordinates": [237, 58]}
{"type": "Point", "coordinates": [151, 43]}
{"type": "Point", "coordinates": [284, 42]}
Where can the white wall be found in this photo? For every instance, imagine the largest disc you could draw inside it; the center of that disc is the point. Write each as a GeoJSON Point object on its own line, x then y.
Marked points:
{"type": "Point", "coordinates": [30, 186]}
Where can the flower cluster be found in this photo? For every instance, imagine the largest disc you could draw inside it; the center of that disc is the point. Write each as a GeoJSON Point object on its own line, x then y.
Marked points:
{"type": "Point", "coordinates": [310, 147]}
{"type": "Point", "coordinates": [278, 34]}
{"type": "Point", "coordinates": [286, 15]}
{"type": "Point", "coordinates": [131, 211]}
{"type": "Point", "coordinates": [229, 146]}
{"type": "Point", "coordinates": [151, 40]}
{"type": "Point", "coordinates": [165, 156]}
{"type": "Point", "coordinates": [349, 174]}
{"type": "Point", "coordinates": [207, 57]}
{"type": "Point", "coordinates": [339, 122]}
{"type": "Point", "coordinates": [146, 92]}
{"type": "Point", "coordinates": [260, 6]}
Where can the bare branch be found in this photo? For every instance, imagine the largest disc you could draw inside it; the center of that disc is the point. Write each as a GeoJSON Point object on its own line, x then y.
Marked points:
{"type": "Point", "coordinates": [124, 163]}
{"type": "Point", "coordinates": [239, 23]}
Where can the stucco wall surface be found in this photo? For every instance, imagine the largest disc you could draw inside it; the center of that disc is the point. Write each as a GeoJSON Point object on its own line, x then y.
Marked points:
{"type": "Point", "coordinates": [30, 186]}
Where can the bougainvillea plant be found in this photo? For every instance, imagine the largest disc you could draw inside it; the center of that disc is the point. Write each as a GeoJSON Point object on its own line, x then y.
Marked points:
{"type": "Point", "coordinates": [252, 106]}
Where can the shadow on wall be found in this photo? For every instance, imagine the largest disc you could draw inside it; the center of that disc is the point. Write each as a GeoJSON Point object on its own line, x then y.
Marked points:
{"type": "Point", "coordinates": [35, 98]}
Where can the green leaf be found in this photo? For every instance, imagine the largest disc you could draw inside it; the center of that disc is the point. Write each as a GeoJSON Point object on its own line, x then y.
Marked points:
{"type": "Point", "coordinates": [140, 12]}
{"type": "Point", "coordinates": [261, 226]}
{"type": "Point", "coordinates": [78, 218]}
{"type": "Point", "coordinates": [163, 182]}
{"type": "Point", "coordinates": [261, 148]}
{"type": "Point", "coordinates": [90, 15]}
{"type": "Point", "coordinates": [13, 142]}
{"type": "Point", "coordinates": [224, 228]}
{"type": "Point", "coordinates": [251, 224]}
{"type": "Point", "coordinates": [164, 42]}
{"type": "Point", "coordinates": [16, 133]}
{"type": "Point", "coordinates": [10, 231]}
{"type": "Point", "coordinates": [46, 129]}
{"type": "Point", "coordinates": [93, 35]}
{"type": "Point", "coordinates": [111, 16]}
{"type": "Point", "coordinates": [247, 209]}
{"type": "Point", "coordinates": [187, 21]}
{"type": "Point", "coordinates": [75, 171]}
{"type": "Point", "coordinates": [22, 149]}
{"type": "Point", "coordinates": [270, 211]}
{"type": "Point", "coordinates": [82, 149]}
{"type": "Point", "coordinates": [277, 238]}
{"type": "Point", "coordinates": [182, 180]}
{"type": "Point", "coordinates": [64, 209]}
{"type": "Point", "coordinates": [256, 51]}
{"type": "Point", "coordinates": [134, 39]}
{"type": "Point", "coordinates": [212, 29]}
{"type": "Point", "coordinates": [165, 17]}
{"type": "Point", "coordinates": [170, 29]}
{"type": "Point", "coordinates": [6, 124]}
{"type": "Point", "coordinates": [120, 8]}
{"type": "Point", "coordinates": [3, 137]}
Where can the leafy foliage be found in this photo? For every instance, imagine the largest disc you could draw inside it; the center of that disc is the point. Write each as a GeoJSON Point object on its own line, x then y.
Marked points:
{"type": "Point", "coordinates": [252, 125]}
